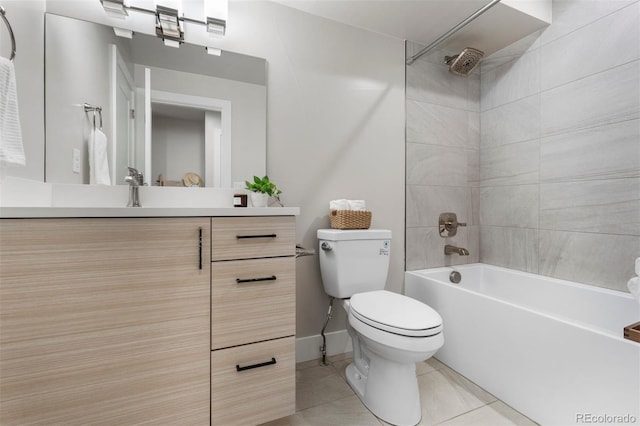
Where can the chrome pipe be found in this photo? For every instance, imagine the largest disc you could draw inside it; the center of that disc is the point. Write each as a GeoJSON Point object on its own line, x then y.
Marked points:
{"type": "Point", "coordinates": [452, 31]}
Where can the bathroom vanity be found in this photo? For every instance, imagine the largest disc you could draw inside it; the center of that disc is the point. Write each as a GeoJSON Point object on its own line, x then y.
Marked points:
{"type": "Point", "coordinates": [154, 319]}
{"type": "Point", "coordinates": [252, 319]}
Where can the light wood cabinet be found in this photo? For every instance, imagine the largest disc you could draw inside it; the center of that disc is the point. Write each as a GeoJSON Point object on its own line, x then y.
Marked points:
{"type": "Point", "coordinates": [105, 321]}
{"type": "Point", "coordinates": [252, 237]}
{"type": "Point", "coordinates": [242, 395]}
{"type": "Point", "coordinates": [163, 321]}
{"type": "Point", "coordinates": [252, 300]}
{"type": "Point", "coordinates": [253, 319]}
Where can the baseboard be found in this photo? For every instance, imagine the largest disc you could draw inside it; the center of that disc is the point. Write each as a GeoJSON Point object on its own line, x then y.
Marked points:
{"type": "Point", "coordinates": [308, 348]}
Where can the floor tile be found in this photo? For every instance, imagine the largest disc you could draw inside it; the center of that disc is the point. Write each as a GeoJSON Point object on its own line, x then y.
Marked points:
{"type": "Point", "coordinates": [495, 414]}
{"type": "Point", "coordinates": [285, 421]}
{"type": "Point", "coordinates": [340, 367]}
{"type": "Point", "coordinates": [340, 357]}
{"type": "Point", "coordinates": [324, 398]}
{"type": "Point", "coordinates": [428, 366]}
{"type": "Point", "coordinates": [319, 385]}
{"type": "Point", "coordinates": [446, 394]}
{"type": "Point", "coordinates": [308, 364]}
{"type": "Point", "coordinates": [345, 411]}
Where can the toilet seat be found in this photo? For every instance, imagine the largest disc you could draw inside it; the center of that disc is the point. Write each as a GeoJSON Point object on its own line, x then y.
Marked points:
{"type": "Point", "coordinates": [395, 313]}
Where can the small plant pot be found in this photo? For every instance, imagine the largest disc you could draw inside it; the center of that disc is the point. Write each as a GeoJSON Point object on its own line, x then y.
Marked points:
{"type": "Point", "coordinates": [259, 199]}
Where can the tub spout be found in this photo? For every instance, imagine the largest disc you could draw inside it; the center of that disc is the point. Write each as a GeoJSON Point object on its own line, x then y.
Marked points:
{"type": "Point", "coordinates": [449, 249]}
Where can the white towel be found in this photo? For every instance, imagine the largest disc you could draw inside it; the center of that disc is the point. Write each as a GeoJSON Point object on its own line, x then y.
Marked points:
{"type": "Point", "coordinates": [98, 158]}
{"type": "Point", "coordinates": [11, 148]}
{"type": "Point", "coordinates": [339, 204]}
{"type": "Point", "coordinates": [357, 205]}
{"type": "Point", "coordinates": [343, 204]}
{"type": "Point", "coordinates": [638, 266]}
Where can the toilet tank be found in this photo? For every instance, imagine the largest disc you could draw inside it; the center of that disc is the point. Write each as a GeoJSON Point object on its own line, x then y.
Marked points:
{"type": "Point", "coordinates": [353, 261]}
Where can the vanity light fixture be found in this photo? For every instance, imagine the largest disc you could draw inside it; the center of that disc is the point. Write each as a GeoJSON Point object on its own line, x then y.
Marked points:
{"type": "Point", "coordinates": [213, 51]}
{"type": "Point", "coordinates": [170, 19]}
{"type": "Point", "coordinates": [216, 26]}
{"type": "Point", "coordinates": [168, 26]}
{"type": "Point", "coordinates": [216, 12]}
{"type": "Point", "coordinates": [121, 32]}
{"type": "Point", "coordinates": [171, 43]}
{"type": "Point", "coordinates": [115, 8]}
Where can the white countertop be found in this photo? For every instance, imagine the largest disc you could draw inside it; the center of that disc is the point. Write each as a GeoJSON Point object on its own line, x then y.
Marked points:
{"type": "Point", "coordinates": [59, 212]}
{"type": "Point", "coordinates": [24, 198]}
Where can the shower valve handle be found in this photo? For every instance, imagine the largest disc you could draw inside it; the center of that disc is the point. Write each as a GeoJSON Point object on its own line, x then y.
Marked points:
{"type": "Point", "coordinates": [452, 224]}
{"type": "Point", "coordinates": [448, 224]}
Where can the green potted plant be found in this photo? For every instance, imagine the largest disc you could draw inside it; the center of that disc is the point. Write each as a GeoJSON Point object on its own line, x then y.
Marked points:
{"type": "Point", "coordinates": [261, 190]}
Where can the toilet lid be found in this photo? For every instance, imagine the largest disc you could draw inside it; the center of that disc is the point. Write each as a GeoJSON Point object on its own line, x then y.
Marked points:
{"type": "Point", "coordinates": [396, 313]}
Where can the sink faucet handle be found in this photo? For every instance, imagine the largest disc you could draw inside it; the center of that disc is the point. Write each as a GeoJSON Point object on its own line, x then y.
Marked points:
{"type": "Point", "coordinates": [135, 174]}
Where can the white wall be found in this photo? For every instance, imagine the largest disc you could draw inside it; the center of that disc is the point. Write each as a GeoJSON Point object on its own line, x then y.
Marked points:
{"type": "Point", "coordinates": [178, 148]}
{"type": "Point", "coordinates": [335, 128]}
{"type": "Point", "coordinates": [78, 65]}
{"type": "Point", "coordinates": [248, 119]}
{"type": "Point", "coordinates": [335, 124]}
{"type": "Point", "coordinates": [27, 21]}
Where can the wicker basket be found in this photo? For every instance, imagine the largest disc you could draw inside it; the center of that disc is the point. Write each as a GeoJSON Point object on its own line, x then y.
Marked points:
{"type": "Point", "coordinates": [632, 332]}
{"type": "Point", "coordinates": [350, 219]}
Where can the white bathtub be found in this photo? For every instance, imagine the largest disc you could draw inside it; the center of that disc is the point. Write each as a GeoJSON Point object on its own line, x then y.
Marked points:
{"type": "Point", "coordinates": [552, 349]}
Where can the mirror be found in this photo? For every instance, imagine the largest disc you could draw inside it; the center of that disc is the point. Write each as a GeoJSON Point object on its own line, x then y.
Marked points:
{"type": "Point", "coordinates": [171, 113]}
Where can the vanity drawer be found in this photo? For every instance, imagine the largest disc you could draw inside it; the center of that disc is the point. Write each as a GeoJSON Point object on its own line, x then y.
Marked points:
{"type": "Point", "coordinates": [250, 237]}
{"type": "Point", "coordinates": [263, 389]}
{"type": "Point", "coordinates": [252, 300]}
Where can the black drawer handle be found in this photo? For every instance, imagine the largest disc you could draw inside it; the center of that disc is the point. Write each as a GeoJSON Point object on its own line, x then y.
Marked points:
{"type": "Point", "coordinates": [253, 280]}
{"type": "Point", "coordinates": [261, 364]}
{"type": "Point", "coordinates": [241, 237]}
{"type": "Point", "coordinates": [200, 248]}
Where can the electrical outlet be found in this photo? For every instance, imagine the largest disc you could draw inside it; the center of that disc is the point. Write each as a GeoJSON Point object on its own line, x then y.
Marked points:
{"type": "Point", "coordinates": [75, 164]}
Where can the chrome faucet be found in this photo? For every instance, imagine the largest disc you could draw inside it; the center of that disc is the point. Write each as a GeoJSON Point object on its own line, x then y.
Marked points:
{"type": "Point", "coordinates": [449, 249]}
{"type": "Point", "coordinates": [135, 180]}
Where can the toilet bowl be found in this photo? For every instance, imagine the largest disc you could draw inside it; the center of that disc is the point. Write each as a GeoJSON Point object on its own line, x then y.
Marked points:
{"type": "Point", "coordinates": [390, 332]}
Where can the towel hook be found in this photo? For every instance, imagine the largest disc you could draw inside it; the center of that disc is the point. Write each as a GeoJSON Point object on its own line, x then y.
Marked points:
{"type": "Point", "coordinates": [94, 109]}
{"type": "Point", "coordinates": [13, 39]}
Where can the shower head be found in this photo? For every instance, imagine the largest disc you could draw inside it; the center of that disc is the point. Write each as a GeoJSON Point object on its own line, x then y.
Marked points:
{"type": "Point", "coordinates": [465, 62]}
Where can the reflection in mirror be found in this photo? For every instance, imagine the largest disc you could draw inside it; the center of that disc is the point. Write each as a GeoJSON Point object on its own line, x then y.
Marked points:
{"type": "Point", "coordinates": [177, 115]}
{"type": "Point", "coordinates": [169, 159]}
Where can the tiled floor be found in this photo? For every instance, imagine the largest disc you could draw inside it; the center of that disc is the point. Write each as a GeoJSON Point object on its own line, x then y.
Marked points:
{"type": "Point", "coordinates": [323, 397]}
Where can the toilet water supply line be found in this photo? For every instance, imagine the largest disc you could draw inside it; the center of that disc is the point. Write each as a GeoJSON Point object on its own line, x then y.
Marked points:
{"type": "Point", "coordinates": [323, 348]}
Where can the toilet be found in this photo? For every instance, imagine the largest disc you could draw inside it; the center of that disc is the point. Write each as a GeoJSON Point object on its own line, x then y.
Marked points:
{"type": "Point", "coordinates": [390, 332]}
